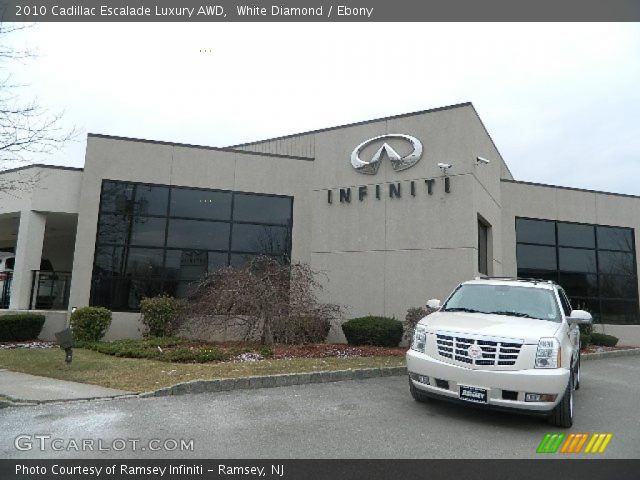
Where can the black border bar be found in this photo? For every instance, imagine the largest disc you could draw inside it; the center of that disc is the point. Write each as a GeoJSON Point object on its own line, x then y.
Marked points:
{"type": "Point", "coordinates": [536, 469]}
{"type": "Point", "coordinates": [322, 11]}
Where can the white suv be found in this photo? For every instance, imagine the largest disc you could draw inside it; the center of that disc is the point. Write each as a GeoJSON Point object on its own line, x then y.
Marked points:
{"type": "Point", "coordinates": [510, 344]}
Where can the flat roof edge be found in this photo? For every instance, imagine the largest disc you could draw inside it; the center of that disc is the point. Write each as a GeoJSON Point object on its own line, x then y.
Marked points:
{"type": "Point", "coordinates": [203, 147]}
{"type": "Point", "coordinates": [586, 190]}
{"type": "Point", "coordinates": [355, 124]}
{"type": "Point", "coordinates": [41, 165]}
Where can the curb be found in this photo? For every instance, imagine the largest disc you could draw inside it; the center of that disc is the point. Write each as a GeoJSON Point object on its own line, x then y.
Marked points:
{"type": "Point", "coordinates": [611, 354]}
{"type": "Point", "coordinates": [271, 381]}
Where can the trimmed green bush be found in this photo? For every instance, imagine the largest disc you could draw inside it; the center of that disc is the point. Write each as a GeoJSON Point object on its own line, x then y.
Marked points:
{"type": "Point", "coordinates": [165, 349]}
{"type": "Point", "coordinates": [20, 327]}
{"type": "Point", "coordinates": [604, 340]}
{"type": "Point", "coordinates": [89, 324]}
{"type": "Point", "coordinates": [586, 329]}
{"type": "Point", "coordinates": [160, 315]}
{"type": "Point", "coordinates": [300, 330]}
{"type": "Point", "coordinates": [370, 330]}
{"type": "Point", "coordinates": [585, 340]}
{"type": "Point", "coordinates": [147, 348]}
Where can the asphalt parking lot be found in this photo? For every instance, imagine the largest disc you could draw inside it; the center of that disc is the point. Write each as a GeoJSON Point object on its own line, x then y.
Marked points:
{"type": "Point", "coordinates": [375, 418]}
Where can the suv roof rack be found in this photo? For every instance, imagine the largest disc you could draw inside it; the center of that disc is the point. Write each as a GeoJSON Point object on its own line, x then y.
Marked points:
{"type": "Point", "coordinates": [518, 279]}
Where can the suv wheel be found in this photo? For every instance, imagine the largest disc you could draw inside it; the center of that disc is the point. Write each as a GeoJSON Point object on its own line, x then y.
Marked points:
{"type": "Point", "coordinates": [417, 394]}
{"type": "Point", "coordinates": [562, 415]}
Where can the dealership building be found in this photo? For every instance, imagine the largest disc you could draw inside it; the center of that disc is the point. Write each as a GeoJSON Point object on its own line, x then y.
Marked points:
{"type": "Point", "coordinates": [394, 211]}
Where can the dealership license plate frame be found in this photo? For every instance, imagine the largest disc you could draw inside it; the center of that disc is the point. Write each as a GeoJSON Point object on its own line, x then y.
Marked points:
{"type": "Point", "coordinates": [468, 388]}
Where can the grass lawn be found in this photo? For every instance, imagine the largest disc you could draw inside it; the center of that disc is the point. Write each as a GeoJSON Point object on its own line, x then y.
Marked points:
{"type": "Point", "coordinates": [141, 375]}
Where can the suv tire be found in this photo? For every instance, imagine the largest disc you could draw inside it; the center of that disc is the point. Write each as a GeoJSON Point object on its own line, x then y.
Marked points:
{"type": "Point", "coordinates": [562, 415]}
{"type": "Point", "coordinates": [417, 394]}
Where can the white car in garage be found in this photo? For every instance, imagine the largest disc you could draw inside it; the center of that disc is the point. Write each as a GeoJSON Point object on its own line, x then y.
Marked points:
{"type": "Point", "coordinates": [503, 343]}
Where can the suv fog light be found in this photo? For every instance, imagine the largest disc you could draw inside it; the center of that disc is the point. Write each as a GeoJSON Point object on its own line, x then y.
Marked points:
{"type": "Point", "coordinates": [539, 397]}
{"type": "Point", "coordinates": [419, 378]}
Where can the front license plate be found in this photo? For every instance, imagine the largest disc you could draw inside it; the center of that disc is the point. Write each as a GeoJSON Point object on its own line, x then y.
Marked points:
{"type": "Point", "coordinates": [473, 394]}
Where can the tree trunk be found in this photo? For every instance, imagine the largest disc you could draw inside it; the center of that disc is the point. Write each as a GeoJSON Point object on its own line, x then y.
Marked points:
{"type": "Point", "coordinates": [267, 333]}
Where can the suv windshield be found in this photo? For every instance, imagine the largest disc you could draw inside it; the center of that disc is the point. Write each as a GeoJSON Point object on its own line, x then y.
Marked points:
{"type": "Point", "coordinates": [526, 302]}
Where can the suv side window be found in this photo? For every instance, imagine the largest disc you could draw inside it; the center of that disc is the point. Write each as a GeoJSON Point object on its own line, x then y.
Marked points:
{"type": "Point", "coordinates": [566, 306]}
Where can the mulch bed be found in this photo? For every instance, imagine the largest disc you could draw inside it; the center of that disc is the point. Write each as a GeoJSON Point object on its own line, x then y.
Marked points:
{"type": "Point", "coordinates": [316, 350]}
{"type": "Point", "coordinates": [340, 350]}
{"type": "Point", "coordinates": [31, 345]}
{"type": "Point", "coordinates": [598, 349]}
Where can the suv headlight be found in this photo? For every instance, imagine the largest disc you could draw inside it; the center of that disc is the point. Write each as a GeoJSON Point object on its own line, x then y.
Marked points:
{"type": "Point", "coordinates": [549, 354]}
{"type": "Point", "coordinates": [419, 338]}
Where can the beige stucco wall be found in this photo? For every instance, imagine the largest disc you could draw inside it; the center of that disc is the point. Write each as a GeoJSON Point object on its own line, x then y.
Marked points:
{"type": "Point", "coordinates": [40, 188]}
{"type": "Point", "coordinates": [383, 256]}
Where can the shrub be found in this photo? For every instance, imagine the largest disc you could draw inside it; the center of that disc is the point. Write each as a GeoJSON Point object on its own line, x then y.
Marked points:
{"type": "Point", "coordinates": [147, 348]}
{"type": "Point", "coordinates": [20, 327]}
{"type": "Point", "coordinates": [603, 340]}
{"type": "Point", "coordinates": [165, 349]}
{"type": "Point", "coordinates": [300, 330]}
{"type": "Point", "coordinates": [89, 324]}
{"type": "Point", "coordinates": [585, 340]}
{"type": "Point", "coordinates": [370, 330]}
{"type": "Point", "coordinates": [160, 315]}
{"type": "Point", "coordinates": [414, 315]}
{"type": "Point", "coordinates": [586, 329]}
{"type": "Point", "coordinates": [187, 355]}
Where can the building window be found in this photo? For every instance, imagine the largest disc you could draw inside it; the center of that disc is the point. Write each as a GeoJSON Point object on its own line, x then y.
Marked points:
{"type": "Point", "coordinates": [596, 265]}
{"type": "Point", "coordinates": [156, 239]}
{"type": "Point", "coordinates": [483, 247]}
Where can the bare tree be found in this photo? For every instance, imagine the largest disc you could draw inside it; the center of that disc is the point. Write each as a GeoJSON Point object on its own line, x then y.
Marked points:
{"type": "Point", "coordinates": [259, 293]}
{"type": "Point", "coordinates": [26, 128]}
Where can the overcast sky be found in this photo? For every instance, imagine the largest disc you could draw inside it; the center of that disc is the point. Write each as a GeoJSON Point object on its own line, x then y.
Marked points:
{"type": "Point", "coordinates": [561, 101]}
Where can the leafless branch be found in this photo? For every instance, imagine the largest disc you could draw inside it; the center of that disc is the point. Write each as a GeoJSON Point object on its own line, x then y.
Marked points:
{"type": "Point", "coordinates": [260, 294]}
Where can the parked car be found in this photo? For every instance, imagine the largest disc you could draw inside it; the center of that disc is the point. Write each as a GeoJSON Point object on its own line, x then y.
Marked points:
{"type": "Point", "coordinates": [7, 264]}
{"type": "Point", "coordinates": [509, 344]}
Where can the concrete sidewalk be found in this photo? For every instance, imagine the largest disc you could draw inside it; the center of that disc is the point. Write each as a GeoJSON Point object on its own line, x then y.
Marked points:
{"type": "Point", "coordinates": [21, 387]}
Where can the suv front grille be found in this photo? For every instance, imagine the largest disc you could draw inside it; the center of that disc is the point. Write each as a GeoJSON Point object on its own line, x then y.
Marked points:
{"type": "Point", "coordinates": [494, 351]}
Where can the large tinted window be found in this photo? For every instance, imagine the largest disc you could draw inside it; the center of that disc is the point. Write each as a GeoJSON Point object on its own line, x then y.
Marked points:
{"type": "Point", "coordinates": [535, 231]}
{"type": "Point", "coordinates": [190, 203]}
{"type": "Point", "coordinates": [265, 239]}
{"type": "Point", "coordinates": [595, 264]}
{"type": "Point", "coordinates": [261, 209]}
{"type": "Point", "coordinates": [611, 238]}
{"type": "Point", "coordinates": [154, 238]}
{"type": "Point", "coordinates": [576, 260]}
{"type": "Point", "coordinates": [536, 257]}
{"type": "Point", "coordinates": [198, 234]}
{"type": "Point", "coordinates": [576, 235]}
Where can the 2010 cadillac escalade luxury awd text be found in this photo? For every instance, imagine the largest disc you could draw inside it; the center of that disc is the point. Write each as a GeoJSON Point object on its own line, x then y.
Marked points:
{"type": "Point", "coordinates": [504, 343]}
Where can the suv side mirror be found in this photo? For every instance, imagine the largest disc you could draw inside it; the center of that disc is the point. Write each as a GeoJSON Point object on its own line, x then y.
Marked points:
{"type": "Point", "coordinates": [433, 304]}
{"type": "Point", "coordinates": [580, 317]}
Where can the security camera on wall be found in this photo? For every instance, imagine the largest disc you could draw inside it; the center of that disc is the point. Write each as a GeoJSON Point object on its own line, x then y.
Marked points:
{"type": "Point", "coordinates": [445, 166]}
{"type": "Point", "coordinates": [483, 161]}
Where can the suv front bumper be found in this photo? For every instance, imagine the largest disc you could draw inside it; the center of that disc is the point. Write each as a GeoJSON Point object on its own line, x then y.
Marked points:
{"type": "Point", "coordinates": [515, 382]}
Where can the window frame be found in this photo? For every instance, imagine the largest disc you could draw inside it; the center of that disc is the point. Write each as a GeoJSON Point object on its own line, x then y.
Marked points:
{"type": "Point", "coordinates": [165, 278]}
{"type": "Point", "coordinates": [598, 299]}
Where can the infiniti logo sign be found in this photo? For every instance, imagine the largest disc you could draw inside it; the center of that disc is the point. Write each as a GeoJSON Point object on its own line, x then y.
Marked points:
{"type": "Point", "coordinates": [398, 162]}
